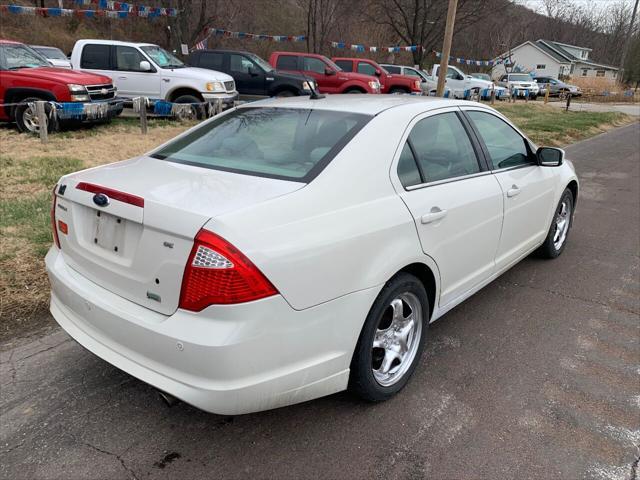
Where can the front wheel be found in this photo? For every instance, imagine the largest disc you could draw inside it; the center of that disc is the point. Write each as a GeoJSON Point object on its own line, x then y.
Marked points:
{"type": "Point", "coordinates": [397, 91]}
{"type": "Point", "coordinates": [26, 117]}
{"type": "Point", "coordinates": [391, 340]}
{"type": "Point", "coordinates": [556, 239]}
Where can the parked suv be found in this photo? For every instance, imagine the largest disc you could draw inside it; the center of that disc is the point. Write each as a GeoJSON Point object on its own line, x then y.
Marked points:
{"type": "Point", "coordinates": [253, 75]}
{"type": "Point", "coordinates": [329, 77]}
{"type": "Point", "coordinates": [520, 82]}
{"type": "Point", "coordinates": [27, 77]}
{"type": "Point", "coordinates": [388, 83]}
{"type": "Point", "coordinates": [147, 70]}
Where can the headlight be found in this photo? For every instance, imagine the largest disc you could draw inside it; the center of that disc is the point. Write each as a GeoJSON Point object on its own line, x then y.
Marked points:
{"type": "Point", "coordinates": [80, 98]}
{"type": "Point", "coordinates": [308, 86]}
{"type": "Point", "coordinates": [374, 85]}
{"type": "Point", "coordinates": [75, 88]}
{"type": "Point", "coordinates": [215, 87]}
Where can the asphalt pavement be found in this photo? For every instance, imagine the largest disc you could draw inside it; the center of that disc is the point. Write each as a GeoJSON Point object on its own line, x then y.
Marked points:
{"type": "Point", "coordinates": [535, 376]}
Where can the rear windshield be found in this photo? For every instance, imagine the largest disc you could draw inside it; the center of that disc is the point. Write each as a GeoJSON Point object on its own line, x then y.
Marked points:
{"type": "Point", "coordinates": [289, 144]}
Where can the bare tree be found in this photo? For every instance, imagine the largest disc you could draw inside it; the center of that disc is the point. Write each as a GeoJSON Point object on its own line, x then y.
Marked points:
{"type": "Point", "coordinates": [321, 18]}
{"type": "Point", "coordinates": [195, 16]}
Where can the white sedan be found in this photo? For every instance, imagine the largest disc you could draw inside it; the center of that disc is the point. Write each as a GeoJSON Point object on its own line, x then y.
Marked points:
{"type": "Point", "coordinates": [293, 248]}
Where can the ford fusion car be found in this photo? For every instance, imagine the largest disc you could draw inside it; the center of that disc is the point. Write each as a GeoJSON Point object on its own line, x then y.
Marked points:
{"type": "Point", "coordinates": [292, 248]}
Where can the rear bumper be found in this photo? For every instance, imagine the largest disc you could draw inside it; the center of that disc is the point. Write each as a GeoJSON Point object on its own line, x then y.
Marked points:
{"type": "Point", "coordinates": [226, 359]}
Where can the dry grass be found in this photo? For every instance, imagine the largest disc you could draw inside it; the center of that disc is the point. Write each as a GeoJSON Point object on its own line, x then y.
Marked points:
{"type": "Point", "coordinates": [28, 172]}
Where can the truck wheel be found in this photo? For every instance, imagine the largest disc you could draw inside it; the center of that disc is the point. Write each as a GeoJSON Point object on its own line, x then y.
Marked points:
{"type": "Point", "coordinates": [187, 99]}
{"type": "Point", "coordinates": [354, 90]}
{"type": "Point", "coordinates": [285, 93]}
{"type": "Point", "coordinates": [397, 91]}
{"type": "Point", "coordinates": [26, 118]}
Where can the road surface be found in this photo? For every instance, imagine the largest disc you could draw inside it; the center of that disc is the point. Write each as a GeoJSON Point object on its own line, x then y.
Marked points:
{"type": "Point", "coordinates": [536, 376]}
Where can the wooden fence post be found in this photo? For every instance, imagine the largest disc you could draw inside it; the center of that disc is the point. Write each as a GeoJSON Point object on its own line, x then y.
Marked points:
{"type": "Point", "coordinates": [41, 113]}
{"type": "Point", "coordinates": [143, 115]}
{"type": "Point", "coordinates": [493, 96]}
{"type": "Point", "coordinates": [546, 96]}
{"type": "Point", "coordinates": [568, 101]}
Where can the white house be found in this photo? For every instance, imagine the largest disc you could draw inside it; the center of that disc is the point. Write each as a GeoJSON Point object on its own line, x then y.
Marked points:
{"type": "Point", "coordinates": [554, 59]}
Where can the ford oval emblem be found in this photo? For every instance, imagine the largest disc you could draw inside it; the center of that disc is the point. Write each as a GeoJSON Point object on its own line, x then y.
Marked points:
{"type": "Point", "coordinates": [101, 200]}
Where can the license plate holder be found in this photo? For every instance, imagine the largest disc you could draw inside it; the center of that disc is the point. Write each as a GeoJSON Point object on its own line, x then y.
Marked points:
{"type": "Point", "coordinates": [109, 232]}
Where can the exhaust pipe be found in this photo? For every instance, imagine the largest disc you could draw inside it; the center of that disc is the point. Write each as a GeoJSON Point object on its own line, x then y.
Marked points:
{"type": "Point", "coordinates": [169, 400]}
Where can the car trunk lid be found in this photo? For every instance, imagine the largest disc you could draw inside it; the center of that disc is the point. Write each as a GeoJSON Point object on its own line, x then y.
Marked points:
{"type": "Point", "coordinates": [138, 243]}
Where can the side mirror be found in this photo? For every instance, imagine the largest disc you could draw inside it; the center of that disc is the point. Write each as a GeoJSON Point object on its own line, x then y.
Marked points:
{"type": "Point", "coordinates": [550, 156]}
{"type": "Point", "coordinates": [145, 66]}
{"type": "Point", "coordinates": [328, 71]}
{"type": "Point", "coordinates": [378, 73]}
{"type": "Point", "coordinates": [253, 71]}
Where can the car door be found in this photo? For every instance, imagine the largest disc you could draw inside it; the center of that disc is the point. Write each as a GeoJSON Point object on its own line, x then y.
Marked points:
{"type": "Point", "coordinates": [130, 78]}
{"type": "Point", "coordinates": [315, 68]}
{"type": "Point", "coordinates": [249, 77]}
{"type": "Point", "coordinates": [455, 202]}
{"type": "Point", "coordinates": [527, 188]}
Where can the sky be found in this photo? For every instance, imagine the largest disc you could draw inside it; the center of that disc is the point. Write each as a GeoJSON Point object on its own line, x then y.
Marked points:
{"type": "Point", "coordinates": [537, 5]}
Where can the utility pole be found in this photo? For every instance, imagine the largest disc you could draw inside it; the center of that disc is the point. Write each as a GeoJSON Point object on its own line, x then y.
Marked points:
{"type": "Point", "coordinates": [446, 47]}
{"type": "Point", "coordinates": [627, 41]}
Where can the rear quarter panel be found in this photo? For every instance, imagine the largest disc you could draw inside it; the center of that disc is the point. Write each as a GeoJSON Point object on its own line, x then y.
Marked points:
{"type": "Point", "coordinates": [346, 231]}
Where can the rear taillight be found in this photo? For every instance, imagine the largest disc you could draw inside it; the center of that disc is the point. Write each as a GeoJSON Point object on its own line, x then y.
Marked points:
{"type": "Point", "coordinates": [218, 273]}
{"type": "Point", "coordinates": [416, 85]}
{"type": "Point", "coordinates": [54, 227]}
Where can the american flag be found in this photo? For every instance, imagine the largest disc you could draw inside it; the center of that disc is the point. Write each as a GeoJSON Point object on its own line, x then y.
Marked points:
{"type": "Point", "coordinates": [200, 45]}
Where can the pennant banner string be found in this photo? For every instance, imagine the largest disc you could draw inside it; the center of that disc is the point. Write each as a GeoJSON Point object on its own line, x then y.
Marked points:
{"type": "Point", "coordinates": [117, 10]}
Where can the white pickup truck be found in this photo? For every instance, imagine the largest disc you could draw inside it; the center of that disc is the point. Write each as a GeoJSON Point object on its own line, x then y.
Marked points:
{"type": "Point", "coordinates": [147, 70]}
{"type": "Point", "coordinates": [459, 83]}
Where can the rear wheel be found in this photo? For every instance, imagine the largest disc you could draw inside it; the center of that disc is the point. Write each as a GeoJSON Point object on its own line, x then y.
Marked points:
{"type": "Point", "coordinates": [391, 340]}
{"type": "Point", "coordinates": [354, 90]}
{"type": "Point", "coordinates": [26, 118]}
{"type": "Point", "coordinates": [556, 239]}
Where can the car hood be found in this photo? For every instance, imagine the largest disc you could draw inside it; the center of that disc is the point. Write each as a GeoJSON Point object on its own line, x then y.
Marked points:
{"type": "Point", "coordinates": [64, 75]}
{"type": "Point", "coordinates": [357, 76]}
{"type": "Point", "coordinates": [290, 76]}
{"type": "Point", "coordinates": [478, 82]}
{"type": "Point", "coordinates": [196, 73]}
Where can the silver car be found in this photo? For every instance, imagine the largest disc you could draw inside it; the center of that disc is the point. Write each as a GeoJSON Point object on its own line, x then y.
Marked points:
{"type": "Point", "coordinates": [556, 87]}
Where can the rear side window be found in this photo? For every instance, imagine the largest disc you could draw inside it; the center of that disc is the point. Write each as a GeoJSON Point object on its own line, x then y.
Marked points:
{"type": "Point", "coordinates": [392, 69]}
{"type": "Point", "coordinates": [346, 65]}
{"type": "Point", "coordinates": [311, 64]}
{"type": "Point", "coordinates": [442, 148]}
{"type": "Point", "coordinates": [287, 62]}
{"type": "Point", "coordinates": [366, 68]}
{"type": "Point", "coordinates": [407, 168]}
{"type": "Point", "coordinates": [128, 59]}
{"type": "Point", "coordinates": [506, 147]}
{"type": "Point", "coordinates": [289, 144]}
{"type": "Point", "coordinates": [95, 57]}
{"type": "Point", "coordinates": [211, 60]}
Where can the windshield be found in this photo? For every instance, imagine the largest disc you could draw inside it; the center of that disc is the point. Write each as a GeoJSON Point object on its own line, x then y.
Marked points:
{"type": "Point", "coordinates": [20, 56]}
{"type": "Point", "coordinates": [519, 78]}
{"type": "Point", "coordinates": [289, 144]}
{"type": "Point", "coordinates": [162, 58]}
{"type": "Point", "coordinates": [260, 62]}
{"type": "Point", "coordinates": [50, 52]}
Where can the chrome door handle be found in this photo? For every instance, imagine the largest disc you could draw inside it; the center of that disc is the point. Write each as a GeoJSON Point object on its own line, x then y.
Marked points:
{"type": "Point", "coordinates": [122, 78]}
{"type": "Point", "coordinates": [433, 216]}
{"type": "Point", "coordinates": [513, 191]}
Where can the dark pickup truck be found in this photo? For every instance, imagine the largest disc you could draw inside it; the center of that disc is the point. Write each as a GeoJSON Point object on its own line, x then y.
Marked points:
{"type": "Point", "coordinates": [254, 76]}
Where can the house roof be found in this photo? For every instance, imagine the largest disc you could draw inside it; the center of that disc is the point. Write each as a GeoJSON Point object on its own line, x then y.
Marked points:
{"type": "Point", "coordinates": [547, 51]}
{"type": "Point", "coordinates": [573, 46]}
{"type": "Point", "coordinates": [558, 56]}
{"type": "Point", "coordinates": [557, 49]}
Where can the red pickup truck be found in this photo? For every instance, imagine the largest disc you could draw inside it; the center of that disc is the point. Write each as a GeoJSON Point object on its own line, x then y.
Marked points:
{"type": "Point", "coordinates": [26, 76]}
{"type": "Point", "coordinates": [389, 83]}
{"type": "Point", "coordinates": [329, 76]}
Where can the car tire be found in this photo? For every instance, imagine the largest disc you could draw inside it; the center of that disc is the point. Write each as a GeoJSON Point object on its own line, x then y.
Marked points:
{"type": "Point", "coordinates": [187, 99]}
{"type": "Point", "coordinates": [26, 119]}
{"type": "Point", "coordinates": [285, 93]}
{"type": "Point", "coordinates": [397, 91]}
{"type": "Point", "coordinates": [380, 370]}
{"type": "Point", "coordinates": [560, 227]}
{"type": "Point", "coordinates": [354, 90]}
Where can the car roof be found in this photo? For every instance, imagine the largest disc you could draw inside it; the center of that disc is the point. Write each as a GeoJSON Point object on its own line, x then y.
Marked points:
{"type": "Point", "coordinates": [225, 50]}
{"type": "Point", "coordinates": [44, 46]}
{"type": "Point", "coordinates": [10, 42]}
{"type": "Point", "coordinates": [114, 42]}
{"type": "Point", "coordinates": [357, 103]}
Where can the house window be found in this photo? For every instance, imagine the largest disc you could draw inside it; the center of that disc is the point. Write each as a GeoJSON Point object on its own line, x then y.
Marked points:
{"type": "Point", "coordinates": [541, 66]}
{"type": "Point", "coordinates": [599, 73]}
{"type": "Point", "coordinates": [584, 72]}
